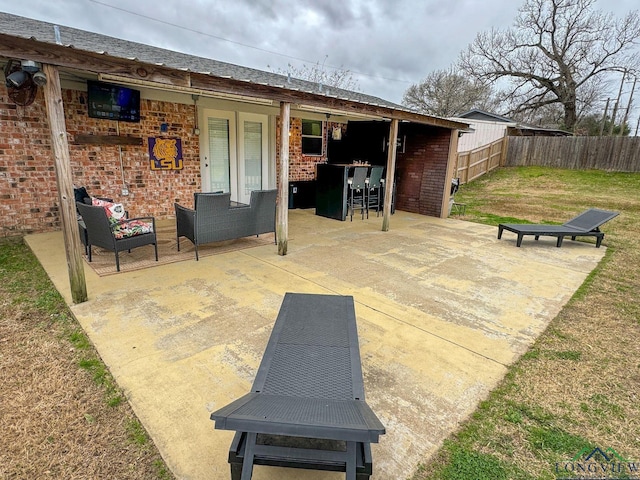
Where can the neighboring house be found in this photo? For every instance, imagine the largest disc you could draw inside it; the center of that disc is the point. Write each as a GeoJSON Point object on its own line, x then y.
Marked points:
{"type": "Point", "coordinates": [489, 127]}
{"type": "Point", "coordinates": [202, 125]}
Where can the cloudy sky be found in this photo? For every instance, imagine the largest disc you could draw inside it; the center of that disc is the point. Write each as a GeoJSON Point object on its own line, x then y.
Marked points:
{"type": "Point", "coordinates": [388, 45]}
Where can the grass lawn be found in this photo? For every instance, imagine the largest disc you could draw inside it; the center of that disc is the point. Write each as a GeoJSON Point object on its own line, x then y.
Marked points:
{"type": "Point", "coordinates": [578, 387]}
{"type": "Point", "coordinates": [61, 414]}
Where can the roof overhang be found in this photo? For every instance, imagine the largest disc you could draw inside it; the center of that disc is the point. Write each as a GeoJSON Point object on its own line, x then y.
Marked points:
{"type": "Point", "coordinates": [159, 76]}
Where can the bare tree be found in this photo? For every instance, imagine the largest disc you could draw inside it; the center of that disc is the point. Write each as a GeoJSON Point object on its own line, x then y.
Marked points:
{"type": "Point", "coordinates": [317, 73]}
{"type": "Point", "coordinates": [446, 93]}
{"type": "Point", "coordinates": [555, 53]}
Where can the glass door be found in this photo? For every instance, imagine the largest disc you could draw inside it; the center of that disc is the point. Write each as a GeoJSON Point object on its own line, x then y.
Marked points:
{"type": "Point", "coordinates": [220, 153]}
{"type": "Point", "coordinates": [235, 153]}
{"type": "Point", "coordinates": [252, 154]}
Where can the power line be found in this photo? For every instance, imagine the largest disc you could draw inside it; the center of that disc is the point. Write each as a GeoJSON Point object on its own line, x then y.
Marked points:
{"type": "Point", "coordinates": [164, 22]}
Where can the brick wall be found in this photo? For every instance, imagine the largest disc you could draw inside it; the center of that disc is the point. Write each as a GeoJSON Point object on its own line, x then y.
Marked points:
{"type": "Point", "coordinates": [421, 171]}
{"type": "Point", "coordinates": [301, 167]}
{"type": "Point", "coordinates": [27, 177]}
{"type": "Point", "coordinates": [28, 191]}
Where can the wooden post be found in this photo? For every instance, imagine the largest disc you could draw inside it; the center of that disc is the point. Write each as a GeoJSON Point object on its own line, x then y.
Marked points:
{"type": "Point", "coordinates": [452, 163]}
{"type": "Point", "coordinates": [390, 176]}
{"type": "Point", "coordinates": [505, 150]}
{"type": "Point", "coordinates": [282, 214]}
{"type": "Point", "coordinates": [64, 180]}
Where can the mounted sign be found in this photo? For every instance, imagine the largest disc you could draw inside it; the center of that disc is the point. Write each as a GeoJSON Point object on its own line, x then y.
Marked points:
{"type": "Point", "coordinates": [165, 153]}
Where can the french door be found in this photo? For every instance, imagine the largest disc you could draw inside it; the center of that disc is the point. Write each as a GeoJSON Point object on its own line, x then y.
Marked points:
{"type": "Point", "coordinates": [235, 153]}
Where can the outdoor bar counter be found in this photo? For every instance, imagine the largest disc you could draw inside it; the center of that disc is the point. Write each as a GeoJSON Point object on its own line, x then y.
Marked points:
{"type": "Point", "coordinates": [332, 189]}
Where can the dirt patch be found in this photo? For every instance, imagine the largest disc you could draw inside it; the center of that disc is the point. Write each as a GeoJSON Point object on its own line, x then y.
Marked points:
{"type": "Point", "coordinates": [55, 417]}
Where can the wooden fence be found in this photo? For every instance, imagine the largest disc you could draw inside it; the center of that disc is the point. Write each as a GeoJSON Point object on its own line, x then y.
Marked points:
{"type": "Point", "coordinates": [475, 163]}
{"type": "Point", "coordinates": [619, 154]}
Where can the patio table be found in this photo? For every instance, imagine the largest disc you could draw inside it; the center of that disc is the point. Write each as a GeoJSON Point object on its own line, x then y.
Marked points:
{"type": "Point", "coordinates": [309, 389]}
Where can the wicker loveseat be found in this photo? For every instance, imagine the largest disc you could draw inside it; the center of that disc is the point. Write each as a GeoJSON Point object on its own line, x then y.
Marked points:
{"type": "Point", "coordinates": [215, 218]}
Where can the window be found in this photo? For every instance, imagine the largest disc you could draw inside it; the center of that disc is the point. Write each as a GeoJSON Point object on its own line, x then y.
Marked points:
{"type": "Point", "coordinates": [311, 137]}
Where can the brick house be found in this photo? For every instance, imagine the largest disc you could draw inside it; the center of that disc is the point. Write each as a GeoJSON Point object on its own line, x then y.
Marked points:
{"type": "Point", "coordinates": [191, 98]}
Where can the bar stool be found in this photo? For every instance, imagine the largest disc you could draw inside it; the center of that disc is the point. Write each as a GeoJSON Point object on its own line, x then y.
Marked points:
{"type": "Point", "coordinates": [358, 190]}
{"type": "Point", "coordinates": [374, 189]}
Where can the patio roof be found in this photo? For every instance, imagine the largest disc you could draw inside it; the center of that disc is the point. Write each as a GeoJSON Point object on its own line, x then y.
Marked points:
{"type": "Point", "coordinates": [63, 50]}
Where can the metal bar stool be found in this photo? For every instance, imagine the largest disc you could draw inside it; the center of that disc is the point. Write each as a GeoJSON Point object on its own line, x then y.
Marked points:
{"type": "Point", "coordinates": [358, 191]}
{"type": "Point", "coordinates": [374, 189]}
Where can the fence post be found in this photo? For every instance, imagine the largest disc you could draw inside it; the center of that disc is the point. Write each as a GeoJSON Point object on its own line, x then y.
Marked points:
{"type": "Point", "coordinates": [505, 148]}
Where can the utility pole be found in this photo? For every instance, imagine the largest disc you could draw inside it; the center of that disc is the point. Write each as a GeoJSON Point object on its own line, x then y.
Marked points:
{"type": "Point", "coordinates": [615, 107]}
{"type": "Point", "coordinates": [626, 113]}
{"type": "Point", "coordinates": [604, 117]}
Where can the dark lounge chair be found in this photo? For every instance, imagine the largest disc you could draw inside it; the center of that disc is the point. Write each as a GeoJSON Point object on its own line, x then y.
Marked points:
{"type": "Point", "coordinates": [587, 224]}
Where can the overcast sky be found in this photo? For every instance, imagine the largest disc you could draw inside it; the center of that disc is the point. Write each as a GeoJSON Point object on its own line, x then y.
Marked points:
{"type": "Point", "coordinates": [387, 44]}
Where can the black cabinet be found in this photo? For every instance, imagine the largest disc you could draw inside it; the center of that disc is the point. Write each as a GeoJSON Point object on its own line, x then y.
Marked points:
{"type": "Point", "coordinates": [332, 191]}
{"type": "Point", "coordinates": [302, 194]}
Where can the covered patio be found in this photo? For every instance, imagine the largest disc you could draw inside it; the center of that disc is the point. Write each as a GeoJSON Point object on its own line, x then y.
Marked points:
{"type": "Point", "coordinates": [442, 307]}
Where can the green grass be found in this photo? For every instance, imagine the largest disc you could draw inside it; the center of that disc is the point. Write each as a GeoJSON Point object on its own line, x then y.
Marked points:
{"type": "Point", "coordinates": [137, 433]}
{"type": "Point", "coordinates": [572, 389]}
{"type": "Point", "coordinates": [555, 440]}
{"type": "Point", "coordinates": [466, 464]}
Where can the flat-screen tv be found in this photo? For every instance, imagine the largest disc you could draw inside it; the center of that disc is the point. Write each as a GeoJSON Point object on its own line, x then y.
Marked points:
{"type": "Point", "coordinates": [113, 102]}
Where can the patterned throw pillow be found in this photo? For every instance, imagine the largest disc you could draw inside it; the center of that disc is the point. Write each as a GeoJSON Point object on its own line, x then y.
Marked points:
{"type": "Point", "coordinates": [115, 211]}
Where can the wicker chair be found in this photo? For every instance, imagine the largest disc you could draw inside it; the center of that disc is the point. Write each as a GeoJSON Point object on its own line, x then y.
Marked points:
{"type": "Point", "coordinates": [115, 237]}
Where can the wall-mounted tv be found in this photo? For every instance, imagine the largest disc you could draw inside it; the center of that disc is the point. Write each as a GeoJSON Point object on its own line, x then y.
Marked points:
{"type": "Point", "coordinates": [113, 102]}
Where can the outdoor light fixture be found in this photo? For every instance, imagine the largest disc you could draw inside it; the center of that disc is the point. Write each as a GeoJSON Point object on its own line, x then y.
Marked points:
{"type": "Point", "coordinates": [30, 66]}
{"type": "Point", "coordinates": [39, 78]}
{"type": "Point", "coordinates": [28, 70]}
{"type": "Point", "coordinates": [17, 79]}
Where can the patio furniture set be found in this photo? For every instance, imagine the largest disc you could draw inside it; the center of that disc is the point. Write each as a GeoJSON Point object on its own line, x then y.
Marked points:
{"type": "Point", "coordinates": [214, 218]}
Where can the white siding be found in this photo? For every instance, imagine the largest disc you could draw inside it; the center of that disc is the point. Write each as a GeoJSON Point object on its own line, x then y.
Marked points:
{"type": "Point", "coordinates": [485, 132]}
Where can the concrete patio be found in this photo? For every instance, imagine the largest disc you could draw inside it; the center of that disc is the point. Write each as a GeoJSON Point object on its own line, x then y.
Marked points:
{"type": "Point", "coordinates": [443, 308]}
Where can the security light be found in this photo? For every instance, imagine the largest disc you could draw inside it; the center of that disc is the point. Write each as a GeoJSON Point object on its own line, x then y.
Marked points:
{"type": "Point", "coordinates": [17, 79]}
{"type": "Point", "coordinates": [39, 78]}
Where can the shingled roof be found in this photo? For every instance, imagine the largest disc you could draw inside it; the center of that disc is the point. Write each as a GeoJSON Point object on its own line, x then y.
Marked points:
{"type": "Point", "coordinates": [103, 44]}
{"type": "Point", "coordinates": [58, 36]}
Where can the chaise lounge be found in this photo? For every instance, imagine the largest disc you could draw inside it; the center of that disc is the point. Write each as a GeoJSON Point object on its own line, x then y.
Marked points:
{"type": "Point", "coordinates": [587, 224]}
{"type": "Point", "coordinates": [215, 218]}
{"type": "Point", "coordinates": [307, 406]}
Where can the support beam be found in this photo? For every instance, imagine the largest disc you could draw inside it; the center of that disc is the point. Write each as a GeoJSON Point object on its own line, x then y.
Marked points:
{"type": "Point", "coordinates": [390, 175]}
{"type": "Point", "coordinates": [452, 165]}
{"type": "Point", "coordinates": [64, 180]}
{"type": "Point", "coordinates": [282, 214]}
